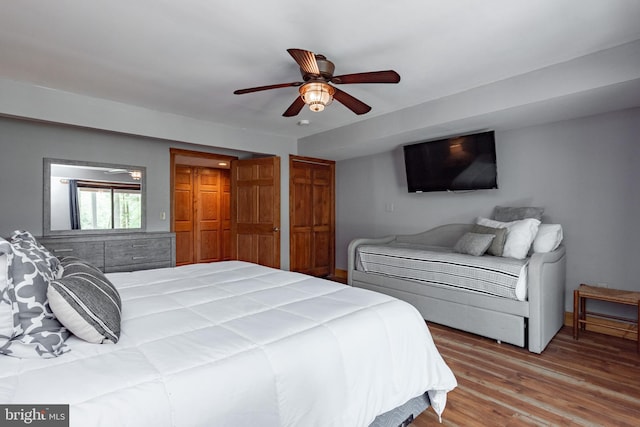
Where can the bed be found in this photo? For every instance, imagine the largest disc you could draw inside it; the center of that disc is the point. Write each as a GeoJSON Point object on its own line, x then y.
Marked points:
{"type": "Point", "coordinates": [233, 344]}
{"type": "Point", "coordinates": [524, 315]}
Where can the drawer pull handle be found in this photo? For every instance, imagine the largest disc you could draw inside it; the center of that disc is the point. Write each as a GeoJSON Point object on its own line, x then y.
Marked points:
{"type": "Point", "coordinates": [138, 257]}
{"type": "Point", "coordinates": [140, 245]}
{"type": "Point", "coordinates": [63, 250]}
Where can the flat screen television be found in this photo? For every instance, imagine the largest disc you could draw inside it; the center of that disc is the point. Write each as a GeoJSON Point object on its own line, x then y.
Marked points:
{"type": "Point", "coordinates": [453, 164]}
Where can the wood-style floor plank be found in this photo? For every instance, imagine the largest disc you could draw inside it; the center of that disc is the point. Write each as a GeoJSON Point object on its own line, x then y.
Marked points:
{"type": "Point", "coordinates": [594, 381]}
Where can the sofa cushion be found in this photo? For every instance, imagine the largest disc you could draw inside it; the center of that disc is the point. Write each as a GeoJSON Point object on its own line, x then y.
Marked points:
{"type": "Point", "coordinates": [520, 235]}
{"type": "Point", "coordinates": [548, 238]}
{"type": "Point", "coordinates": [473, 244]}
{"type": "Point", "coordinates": [497, 244]}
{"type": "Point", "coordinates": [508, 214]}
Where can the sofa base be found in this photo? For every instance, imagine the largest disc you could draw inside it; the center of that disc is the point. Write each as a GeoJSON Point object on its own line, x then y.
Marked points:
{"type": "Point", "coordinates": [504, 327]}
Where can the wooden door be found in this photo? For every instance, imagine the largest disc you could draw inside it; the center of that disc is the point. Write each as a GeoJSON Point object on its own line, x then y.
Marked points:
{"type": "Point", "coordinates": [183, 214]}
{"type": "Point", "coordinates": [225, 215]}
{"type": "Point", "coordinates": [255, 210]}
{"type": "Point", "coordinates": [208, 223]}
{"type": "Point", "coordinates": [201, 214]}
{"type": "Point", "coordinates": [312, 215]}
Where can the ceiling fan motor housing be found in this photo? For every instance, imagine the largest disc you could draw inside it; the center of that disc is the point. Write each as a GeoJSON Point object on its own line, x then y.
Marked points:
{"type": "Point", "coordinates": [325, 66]}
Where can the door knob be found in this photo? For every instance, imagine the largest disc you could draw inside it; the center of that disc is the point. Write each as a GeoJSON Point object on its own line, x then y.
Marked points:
{"type": "Point", "coordinates": [276, 229]}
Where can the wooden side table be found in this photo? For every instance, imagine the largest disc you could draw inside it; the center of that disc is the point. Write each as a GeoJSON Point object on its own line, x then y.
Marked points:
{"type": "Point", "coordinates": [585, 292]}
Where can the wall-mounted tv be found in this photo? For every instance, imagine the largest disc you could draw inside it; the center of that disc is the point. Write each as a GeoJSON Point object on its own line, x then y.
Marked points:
{"type": "Point", "coordinates": [465, 162]}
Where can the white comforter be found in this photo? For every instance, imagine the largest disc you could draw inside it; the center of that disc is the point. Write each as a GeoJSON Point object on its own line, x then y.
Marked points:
{"type": "Point", "coordinates": [233, 344]}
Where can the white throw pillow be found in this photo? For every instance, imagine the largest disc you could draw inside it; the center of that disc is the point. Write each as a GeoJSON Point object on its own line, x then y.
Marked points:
{"type": "Point", "coordinates": [548, 238]}
{"type": "Point", "coordinates": [520, 235]}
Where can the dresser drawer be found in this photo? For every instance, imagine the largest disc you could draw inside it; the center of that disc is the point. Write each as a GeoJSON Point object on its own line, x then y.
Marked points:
{"type": "Point", "coordinates": [92, 252]}
{"type": "Point", "coordinates": [117, 252]}
{"type": "Point", "coordinates": [138, 251]}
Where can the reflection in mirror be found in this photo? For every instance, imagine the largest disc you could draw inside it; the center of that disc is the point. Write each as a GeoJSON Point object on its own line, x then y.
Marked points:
{"type": "Point", "coordinates": [93, 197]}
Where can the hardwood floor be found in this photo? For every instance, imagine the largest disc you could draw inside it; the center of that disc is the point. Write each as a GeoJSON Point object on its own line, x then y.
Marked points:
{"type": "Point", "coordinates": [594, 381]}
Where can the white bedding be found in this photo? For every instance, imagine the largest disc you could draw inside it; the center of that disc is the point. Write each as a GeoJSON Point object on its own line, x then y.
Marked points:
{"type": "Point", "coordinates": [233, 343]}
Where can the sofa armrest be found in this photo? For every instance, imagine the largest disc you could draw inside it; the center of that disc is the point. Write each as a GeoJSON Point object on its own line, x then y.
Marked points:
{"type": "Point", "coordinates": [546, 288]}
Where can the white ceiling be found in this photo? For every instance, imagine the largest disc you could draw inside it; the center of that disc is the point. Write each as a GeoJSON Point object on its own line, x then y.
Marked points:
{"type": "Point", "coordinates": [187, 57]}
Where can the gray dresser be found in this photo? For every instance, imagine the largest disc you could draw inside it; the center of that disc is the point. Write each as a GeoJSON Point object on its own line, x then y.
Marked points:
{"type": "Point", "coordinates": [117, 252]}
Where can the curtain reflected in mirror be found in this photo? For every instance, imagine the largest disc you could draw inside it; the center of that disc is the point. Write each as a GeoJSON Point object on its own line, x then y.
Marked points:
{"type": "Point", "coordinates": [86, 197]}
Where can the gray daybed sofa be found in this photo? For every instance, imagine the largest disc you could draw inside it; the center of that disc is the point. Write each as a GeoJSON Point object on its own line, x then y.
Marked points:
{"type": "Point", "coordinates": [531, 323]}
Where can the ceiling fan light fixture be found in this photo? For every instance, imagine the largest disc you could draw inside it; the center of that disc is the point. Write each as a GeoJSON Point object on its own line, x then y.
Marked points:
{"type": "Point", "coordinates": [317, 95]}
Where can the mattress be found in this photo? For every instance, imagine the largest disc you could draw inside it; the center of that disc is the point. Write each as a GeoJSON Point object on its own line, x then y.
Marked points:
{"type": "Point", "coordinates": [236, 344]}
{"type": "Point", "coordinates": [437, 266]}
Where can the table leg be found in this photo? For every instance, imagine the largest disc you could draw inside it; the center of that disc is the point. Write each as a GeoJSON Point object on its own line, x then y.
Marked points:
{"type": "Point", "coordinates": [576, 313]}
{"type": "Point", "coordinates": [583, 312]}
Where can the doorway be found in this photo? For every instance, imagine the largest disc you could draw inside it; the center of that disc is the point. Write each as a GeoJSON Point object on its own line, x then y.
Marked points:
{"type": "Point", "coordinates": [201, 206]}
{"type": "Point", "coordinates": [223, 208]}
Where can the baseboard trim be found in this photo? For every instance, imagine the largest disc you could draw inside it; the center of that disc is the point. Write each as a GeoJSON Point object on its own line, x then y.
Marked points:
{"type": "Point", "coordinates": [340, 274]}
{"type": "Point", "coordinates": [630, 332]}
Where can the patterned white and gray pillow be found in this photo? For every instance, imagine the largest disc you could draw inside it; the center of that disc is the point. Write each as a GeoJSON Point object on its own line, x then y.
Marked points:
{"type": "Point", "coordinates": [36, 331]}
{"type": "Point", "coordinates": [473, 244]}
{"type": "Point", "coordinates": [86, 302]}
{"type": "Point", "coordinates": [27, 243]}
{"type": "Point", "coordinates": [6, 313]}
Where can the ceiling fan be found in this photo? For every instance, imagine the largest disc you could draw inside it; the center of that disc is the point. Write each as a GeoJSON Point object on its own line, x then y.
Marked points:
{"type": "Point", "coordinates": [315, 90]}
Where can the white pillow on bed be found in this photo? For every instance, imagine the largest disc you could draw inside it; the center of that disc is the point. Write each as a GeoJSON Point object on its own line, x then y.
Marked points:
{"type": "Point", "coordinates": [548, 238]}
{"type": "Point", "coordinates": [520, 235]}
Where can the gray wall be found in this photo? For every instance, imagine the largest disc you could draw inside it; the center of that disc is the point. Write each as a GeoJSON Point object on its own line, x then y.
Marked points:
{"type": "Point", "coordinates": [584, 172]}
{"type": "Point", "coordinates": [24, 144]}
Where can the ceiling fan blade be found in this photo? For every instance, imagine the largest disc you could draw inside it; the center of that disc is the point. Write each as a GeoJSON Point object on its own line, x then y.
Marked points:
{"type": "Point", "coordinates": [350, 102]}
{"type": "Point", "coordinates": [387, 76]}
{"type": "Point", "coordinates": [306, 60]}
{"type": "Point", "coordinates": [294, 108]}
{"type": "Point", "coordinates": [259, 88]}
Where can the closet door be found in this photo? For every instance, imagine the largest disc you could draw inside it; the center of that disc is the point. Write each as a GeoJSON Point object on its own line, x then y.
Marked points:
{"type": "Point", "coordinates": [312, 217]}
{"type": "Point", "coordinates": [183, 214]}
{"type": "Point", "coordinates": [201, 214]}
{"type": "Point", "coordinates": [225, 215]}
{"type": "Point", "coordinates": [208, 224]}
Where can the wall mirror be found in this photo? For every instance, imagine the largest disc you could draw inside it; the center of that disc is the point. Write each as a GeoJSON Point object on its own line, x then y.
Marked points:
{"type": "Point", "coordinates": [93, 198]}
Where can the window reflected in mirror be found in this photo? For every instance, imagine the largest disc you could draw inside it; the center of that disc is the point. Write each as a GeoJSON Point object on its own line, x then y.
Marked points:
{"type": "Point", "coordinates": [104, 205]}
{"type": "Point", "coordinates": [93, 197]}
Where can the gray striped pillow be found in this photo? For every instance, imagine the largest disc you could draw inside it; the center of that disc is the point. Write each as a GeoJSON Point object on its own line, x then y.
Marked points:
{"type": "Point", "coordinates": [86, 302]}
